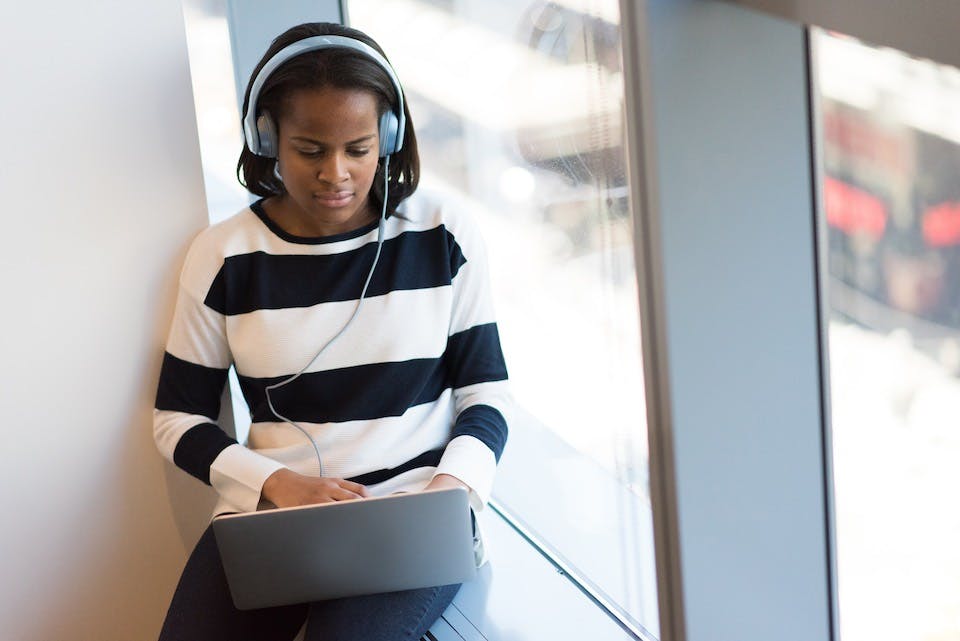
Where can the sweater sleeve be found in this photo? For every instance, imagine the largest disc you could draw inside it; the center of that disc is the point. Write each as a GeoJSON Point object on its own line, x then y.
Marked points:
{"type": "Point", "coordinates": [191, 383]}
{"type": "Point", "coordinates": [477, 371]}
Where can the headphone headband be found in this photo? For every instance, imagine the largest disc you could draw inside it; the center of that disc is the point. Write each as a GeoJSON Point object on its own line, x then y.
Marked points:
{"type": "Point", "coordinates": [390, 128]}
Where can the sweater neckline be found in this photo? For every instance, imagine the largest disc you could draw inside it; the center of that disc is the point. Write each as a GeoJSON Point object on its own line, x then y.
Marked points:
{"type": "Point", "coordinates": [257, 208]}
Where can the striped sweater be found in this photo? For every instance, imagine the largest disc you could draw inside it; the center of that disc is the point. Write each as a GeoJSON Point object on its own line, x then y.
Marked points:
{"type": "Point", "coordinates": [415, 387]}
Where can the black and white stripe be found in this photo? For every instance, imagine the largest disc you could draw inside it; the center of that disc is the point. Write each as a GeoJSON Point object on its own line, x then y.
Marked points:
{"type": "Point", "coordinates": [380, 389]}
{"type": "Point", "coordinates": [258, 280]}
{"type": "Point", "coordinates": [420, 370]}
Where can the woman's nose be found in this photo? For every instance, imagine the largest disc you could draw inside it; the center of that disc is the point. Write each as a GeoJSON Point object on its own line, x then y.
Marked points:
{"type": "Point", "coordinates": [333, 168]}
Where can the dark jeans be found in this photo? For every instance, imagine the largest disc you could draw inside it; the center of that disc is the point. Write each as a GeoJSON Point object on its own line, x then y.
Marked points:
{"type": "Point", "coordinates": [202, 610]}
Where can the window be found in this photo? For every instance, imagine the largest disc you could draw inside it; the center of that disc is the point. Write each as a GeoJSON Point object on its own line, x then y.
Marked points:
{"type": "Point", "coordinates": [218, 111]}
{"type": "Point", "coordinates": [891, 194]}
{"type": "Point", "coordinates": [518, 113]}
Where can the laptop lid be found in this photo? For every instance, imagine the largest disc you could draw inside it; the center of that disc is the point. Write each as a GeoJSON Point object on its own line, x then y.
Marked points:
{"type": "Point", "coordinates": [347, 548]}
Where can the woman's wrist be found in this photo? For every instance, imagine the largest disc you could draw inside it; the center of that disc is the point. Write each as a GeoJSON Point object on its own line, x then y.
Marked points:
{"type": "Point", "coordinates": [274, 482]}
{"type": "Point", "coordinates": [445, 481]}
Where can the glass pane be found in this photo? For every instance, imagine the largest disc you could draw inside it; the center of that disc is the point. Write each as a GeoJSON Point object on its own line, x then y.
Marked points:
{"type": "Point", "coordinates": [518, 114]}
{"type": "Point", "coordinates": [891, 187]}
{"type": "Point", "coordinates": [218, 111]}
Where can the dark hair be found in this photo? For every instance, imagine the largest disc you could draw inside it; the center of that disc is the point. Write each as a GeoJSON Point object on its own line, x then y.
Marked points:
{"type": "Point", "coordinates": [340, 68]}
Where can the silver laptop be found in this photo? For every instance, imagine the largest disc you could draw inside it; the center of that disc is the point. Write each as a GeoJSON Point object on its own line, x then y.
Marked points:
{"type": "Point", "coordinates": [347, 548]}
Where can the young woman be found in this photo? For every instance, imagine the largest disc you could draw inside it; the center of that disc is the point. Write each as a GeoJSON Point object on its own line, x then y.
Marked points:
{"type": "Point", "coordinates": [359, 323]}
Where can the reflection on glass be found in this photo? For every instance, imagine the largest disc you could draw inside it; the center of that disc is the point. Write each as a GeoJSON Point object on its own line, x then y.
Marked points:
{"type": "Point", "coordinates": [891, 187]}
{"type": "Point", "coordinates": [517, 107]}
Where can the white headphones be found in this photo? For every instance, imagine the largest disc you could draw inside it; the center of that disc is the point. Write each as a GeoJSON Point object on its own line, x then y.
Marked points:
{"type": "Point", "coordinates": [260, 131]}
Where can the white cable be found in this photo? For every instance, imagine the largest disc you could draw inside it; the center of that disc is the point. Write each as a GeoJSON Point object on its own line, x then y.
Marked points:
{"type": "Point", "coordinates": [363, 293]}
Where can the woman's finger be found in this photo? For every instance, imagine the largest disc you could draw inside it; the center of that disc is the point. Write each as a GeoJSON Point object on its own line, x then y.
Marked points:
{"type": "Point", "coordinates": [356, 488]}
{"type": "Point", "coordinates": [342, 494]}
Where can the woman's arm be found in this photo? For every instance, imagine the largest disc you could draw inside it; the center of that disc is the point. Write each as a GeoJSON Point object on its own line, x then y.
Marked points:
{"type": "Point", "coordinates": [191, 383]}
{"type": "Point", "coordinates": [476, 369]}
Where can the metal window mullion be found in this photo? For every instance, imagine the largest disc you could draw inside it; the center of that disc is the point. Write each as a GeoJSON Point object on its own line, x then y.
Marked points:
{"type": "Point", "coordinates": [644, 203]}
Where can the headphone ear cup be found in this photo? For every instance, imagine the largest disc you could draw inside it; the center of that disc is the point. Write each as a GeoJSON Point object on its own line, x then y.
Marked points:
{"type": "Point", "coordinates": [388, 133]}
{"type": "Point", "coordinates": [267, 133]}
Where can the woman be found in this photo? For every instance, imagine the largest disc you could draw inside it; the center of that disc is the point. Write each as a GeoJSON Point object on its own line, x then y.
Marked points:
{"type": "Point", "coordinates": [407, 394]}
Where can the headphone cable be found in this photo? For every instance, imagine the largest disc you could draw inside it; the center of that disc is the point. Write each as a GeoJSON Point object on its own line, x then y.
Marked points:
{"type": "Point", "coordinates": [380, 231]}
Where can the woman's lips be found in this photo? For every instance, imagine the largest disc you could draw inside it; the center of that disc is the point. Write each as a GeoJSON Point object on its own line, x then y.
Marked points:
{"type": "Point", "coordinates": [334, 198]}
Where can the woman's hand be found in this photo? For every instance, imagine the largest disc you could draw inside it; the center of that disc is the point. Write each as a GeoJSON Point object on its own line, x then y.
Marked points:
{"type": "Point", "coordinates": [444, 481]}
{"type": "Point", "coordinates": [286, 488]}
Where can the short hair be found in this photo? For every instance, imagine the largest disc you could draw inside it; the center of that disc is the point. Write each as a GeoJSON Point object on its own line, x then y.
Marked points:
{"type": "Point", "coordinates": [337, 67]}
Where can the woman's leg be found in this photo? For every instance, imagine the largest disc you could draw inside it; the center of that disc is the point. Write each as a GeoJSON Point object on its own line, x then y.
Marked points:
{"type": "Point", "coordinates": [202, 609]}
{"type": "Point", "coordinates": [391, 616]}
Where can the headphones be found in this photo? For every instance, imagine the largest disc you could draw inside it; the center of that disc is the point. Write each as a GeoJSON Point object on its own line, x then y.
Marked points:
{"type": "Point", "coordinates": [260, 131]}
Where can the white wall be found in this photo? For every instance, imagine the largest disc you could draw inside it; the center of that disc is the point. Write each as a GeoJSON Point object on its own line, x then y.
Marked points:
{"type": "Point", "coordinates": [102, 189]}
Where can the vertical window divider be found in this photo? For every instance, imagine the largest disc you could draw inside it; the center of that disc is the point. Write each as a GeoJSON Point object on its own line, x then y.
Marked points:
{"type": "Point", "coordinates": [642, 184]}
{"type": "Point", "coordinates": [823, 324]}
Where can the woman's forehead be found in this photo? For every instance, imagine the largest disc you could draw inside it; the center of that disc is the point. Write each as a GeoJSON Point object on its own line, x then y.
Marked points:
{"type": "Point", "coordinates": [330, 112]}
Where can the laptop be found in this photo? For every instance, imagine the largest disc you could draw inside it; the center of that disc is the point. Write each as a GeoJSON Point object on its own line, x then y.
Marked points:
{"type": "Point", "coordinates": [347, 548]}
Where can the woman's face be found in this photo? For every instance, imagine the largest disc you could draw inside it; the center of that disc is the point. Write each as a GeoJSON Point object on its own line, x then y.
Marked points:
{"type": "Point", "coordinates": [327, 157]}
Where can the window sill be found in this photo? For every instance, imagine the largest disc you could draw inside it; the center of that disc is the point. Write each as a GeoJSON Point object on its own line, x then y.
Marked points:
{"type": "Point", "coordinates": [520, 595]}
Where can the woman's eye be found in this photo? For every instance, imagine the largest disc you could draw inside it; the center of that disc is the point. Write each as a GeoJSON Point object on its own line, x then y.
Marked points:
{"type": "Point", "coordinates": [309, 153]}
{"type": "Point", "coordinates": [358, 152]}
